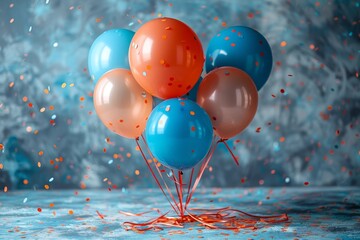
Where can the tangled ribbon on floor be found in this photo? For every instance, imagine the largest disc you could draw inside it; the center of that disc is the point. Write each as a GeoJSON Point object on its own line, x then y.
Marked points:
{"type": "Point", "coordinates": [222, 218]}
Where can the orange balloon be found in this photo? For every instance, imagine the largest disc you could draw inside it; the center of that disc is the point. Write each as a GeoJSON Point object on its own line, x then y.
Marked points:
{"type": "Point", "coordinates": [122, 105]}
{"type": "Point", "coordinates": [230, 98]}
{"type": "Point", "coordinates": [166, 57]}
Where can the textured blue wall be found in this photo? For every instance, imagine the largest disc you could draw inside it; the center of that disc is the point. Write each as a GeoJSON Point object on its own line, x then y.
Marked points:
{"type": "Point", "coordinates": [51, 135]}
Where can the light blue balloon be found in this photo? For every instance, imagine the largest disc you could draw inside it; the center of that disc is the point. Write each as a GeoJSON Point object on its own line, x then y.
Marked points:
{"type": "Point", "coordinates": [243, 48]}
{"type": "Point", "coordinates": [109, 51]}
{"type": "Point", "coordinates": [179, 133]}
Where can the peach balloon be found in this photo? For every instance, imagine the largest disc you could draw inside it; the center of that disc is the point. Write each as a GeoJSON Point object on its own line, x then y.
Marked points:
{"type": "Point", "coordinates": [230, 98]}
{"type": "Point", "coordinates": [166, 57]}
{"type": "Point", "coordinates": [122, 105]}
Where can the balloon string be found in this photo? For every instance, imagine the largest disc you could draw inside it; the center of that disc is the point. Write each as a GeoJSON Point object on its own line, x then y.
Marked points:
{"type": "Point", "coordinates": [231, 152]}
{"type": "Point", "coordinates": [153, 174]}
{"type": "Point", "coordinates": [201, 171]}
{"type": "Point", "coordinates": [181, 192]}
{"type": "Point", "coordinates": [189, 185]}
{"type": "Point", "coordinates": [160, 173]}
{"type": "Point", "coordinates": [176, 183]}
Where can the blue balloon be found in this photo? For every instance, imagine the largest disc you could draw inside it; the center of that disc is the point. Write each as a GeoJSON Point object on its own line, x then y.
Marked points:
{"type": "Point", "coordinates": [179, 133]}
{"type": "Point", "coordinates": [243, 48]}
{"type": "Point", "coordinates": [193, 92]}
{"type": "Point", "coordinates": [109, 51]}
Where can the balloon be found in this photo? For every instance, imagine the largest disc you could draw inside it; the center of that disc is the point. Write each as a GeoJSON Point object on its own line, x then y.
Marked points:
{"type": "Point", "coordinates": [230, 98]}
{"type": "Point", "coordinates": [179, 133]}
{"type": "Point", "coordinates": [243, 48]}
{"type": "Point", "coordinates": [122, 105]}
{"type": "Point", "coordinates": [166, 57]}
{"type": "Point", "coordinates": [193, 92]}
{"type": "Point", "coordinates": [109, 51]}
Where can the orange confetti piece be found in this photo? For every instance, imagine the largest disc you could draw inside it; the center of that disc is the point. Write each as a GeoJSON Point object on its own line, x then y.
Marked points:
{"type": "Point", "coordinates": [100, 215]}
{"type": "Point", "coordinates": [71, 212]}
{"type": "Point", "coordinates": [25, 181]}
{"type": "Point", "coordinates": [51, 205]}
{"type": "Point", "coordinates": [283, 44]}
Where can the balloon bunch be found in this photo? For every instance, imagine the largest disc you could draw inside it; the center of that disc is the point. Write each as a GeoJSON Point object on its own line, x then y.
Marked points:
{"type": "Point", "coordinates": [165, 59]}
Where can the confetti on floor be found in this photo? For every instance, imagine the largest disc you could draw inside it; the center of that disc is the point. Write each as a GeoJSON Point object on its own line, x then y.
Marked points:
{"type": "Point", "coordinates": [315, 213]}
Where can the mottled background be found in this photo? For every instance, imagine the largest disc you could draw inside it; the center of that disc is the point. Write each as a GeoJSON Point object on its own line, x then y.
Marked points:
{"type": "Point", "coordinates": [51, 137]}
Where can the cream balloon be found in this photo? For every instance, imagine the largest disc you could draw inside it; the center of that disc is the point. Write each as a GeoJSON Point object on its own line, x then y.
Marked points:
{"type": "Point", "coordinates": [122, 105]}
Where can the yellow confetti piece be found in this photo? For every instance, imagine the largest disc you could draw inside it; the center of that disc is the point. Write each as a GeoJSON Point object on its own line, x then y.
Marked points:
{"type": "Point", "coordinates": [72, 84]}
{"type": "Point", "coordinates": [39, 164]}
{"type": "Point", "coordinates": [46, 91]}
{"type": "Point", "coordinates": [137, 172]}
{"type": "Point", "coordinates": [63, 85]}
{"type": "Point", "coordinates": [11, 84]}
{"type": "Point", "coordinates": [42, 109]}
{"type": "Point", "coordinates": [192, 113]}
